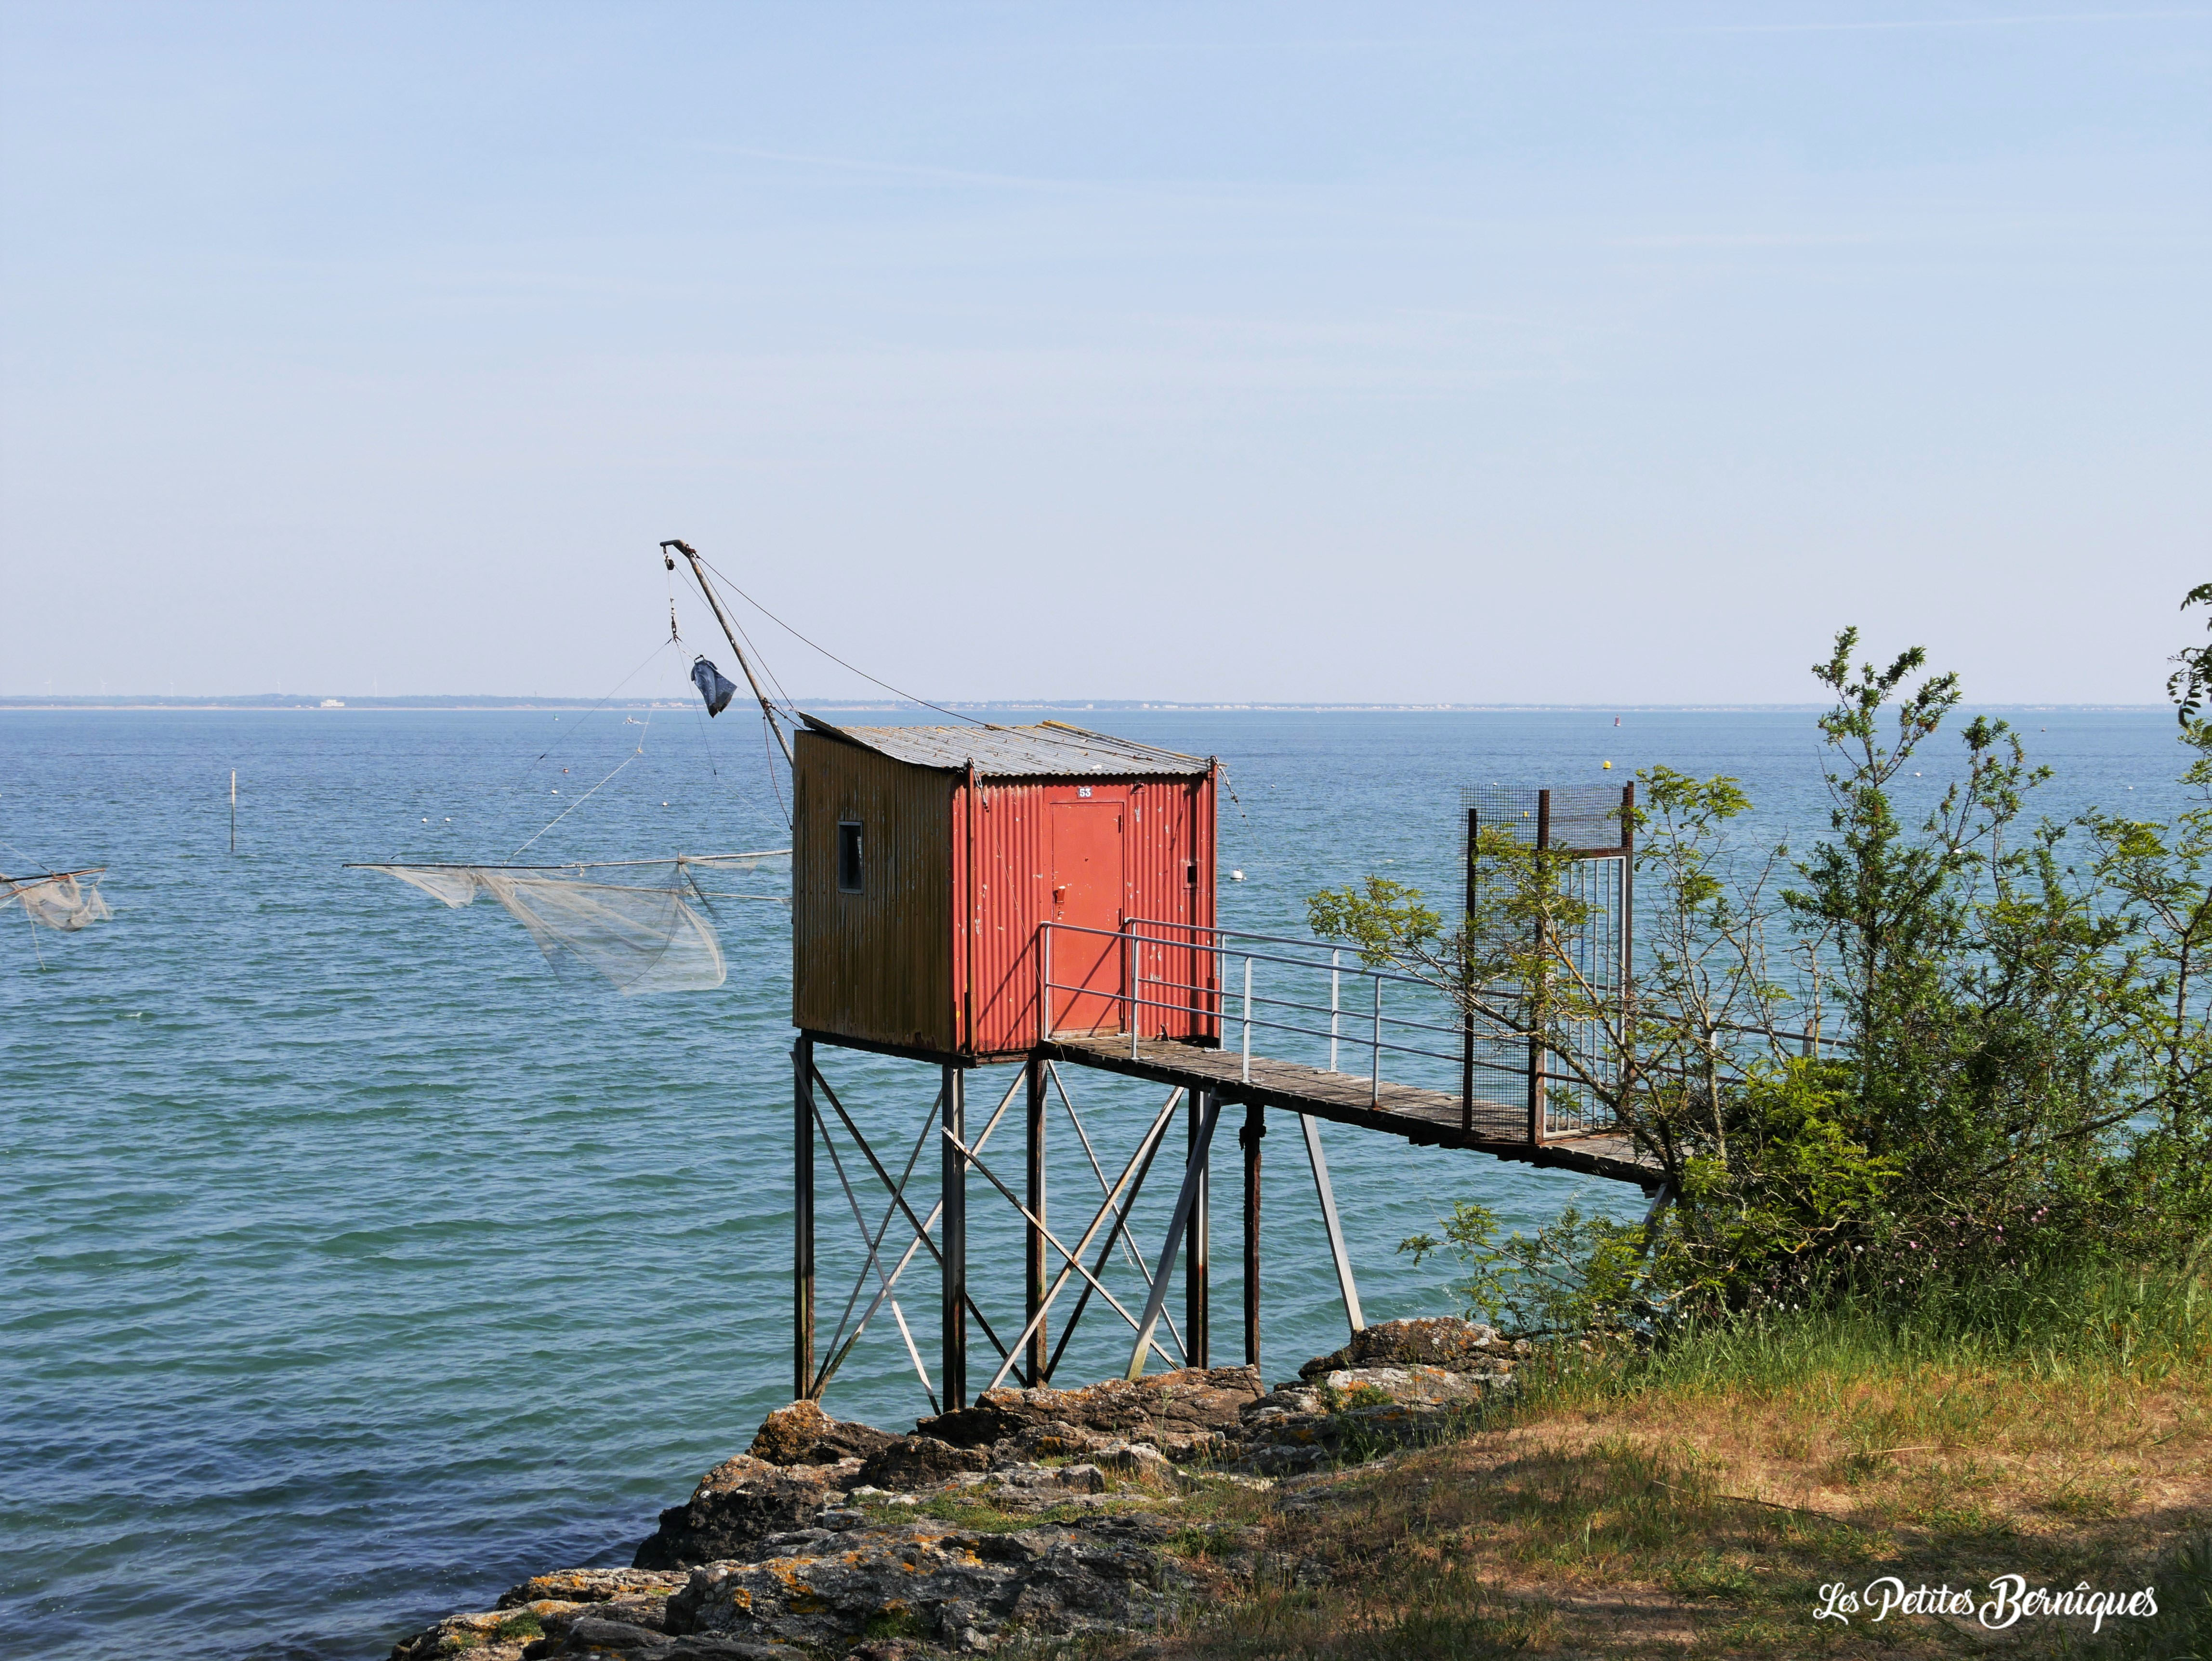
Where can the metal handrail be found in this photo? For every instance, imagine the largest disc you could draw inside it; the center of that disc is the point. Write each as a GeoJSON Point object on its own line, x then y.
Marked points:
{"type": "Point", "coordinates": [1804, 1037]}
{"type": "Point", "coordinates": [1130, 998]}
{"type": "Point", "coordinates": [1257, 957]}
{"type": "Point", "coordinates": [1248, 957]}
{"type": "Point", "coordinates": [1290, 1003]}
{"type": "Point", "coordinates": [1208, 1003]}
{"type": "Point", "coordinates": [1310, 945]}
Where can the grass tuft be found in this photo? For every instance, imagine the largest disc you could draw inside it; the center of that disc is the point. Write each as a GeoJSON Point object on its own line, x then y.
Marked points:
{"type": "Point", "coordinates": [1696, 1497]}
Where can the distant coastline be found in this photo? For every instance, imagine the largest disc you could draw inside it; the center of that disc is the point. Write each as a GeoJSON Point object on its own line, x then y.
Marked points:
{"type": "Point", "coordinates": [332, 703]}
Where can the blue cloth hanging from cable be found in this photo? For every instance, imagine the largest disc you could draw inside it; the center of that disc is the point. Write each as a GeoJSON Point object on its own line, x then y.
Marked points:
{"type": "Point", "coordinates": [717, 691]}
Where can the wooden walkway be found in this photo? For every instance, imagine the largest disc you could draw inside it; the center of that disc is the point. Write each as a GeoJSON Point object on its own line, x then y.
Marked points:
{"type": "Point", "coordinates": [1428, 1118]}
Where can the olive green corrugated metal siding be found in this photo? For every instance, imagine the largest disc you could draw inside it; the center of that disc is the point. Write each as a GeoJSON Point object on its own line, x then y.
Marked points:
{"type": "Point", "coordinates": [876, 965]}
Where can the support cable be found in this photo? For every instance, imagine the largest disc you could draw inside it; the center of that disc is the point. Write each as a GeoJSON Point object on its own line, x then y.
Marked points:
{"type": "Point", "coordinates": [595, 789]}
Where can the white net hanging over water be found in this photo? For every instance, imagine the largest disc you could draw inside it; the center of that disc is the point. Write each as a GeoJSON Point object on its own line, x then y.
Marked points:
{"type": "Point", "coordinates": [643, 932]}
{"type": "Point", "coordinates": [68, 901]}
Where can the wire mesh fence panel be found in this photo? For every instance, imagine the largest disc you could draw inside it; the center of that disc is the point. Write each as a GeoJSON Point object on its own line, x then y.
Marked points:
{"type": "Point", "coordinates": [1594, 952]}
{"type": "Point", "coordinates": [1591, 828]}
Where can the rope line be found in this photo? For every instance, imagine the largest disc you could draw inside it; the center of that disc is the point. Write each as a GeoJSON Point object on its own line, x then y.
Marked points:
{"type": "Point", "coordinates": [1042, 734]}
{"type": "Point", "coordinates": [831, 656]}
{"type": "Point", "coordinates": [596, 788]}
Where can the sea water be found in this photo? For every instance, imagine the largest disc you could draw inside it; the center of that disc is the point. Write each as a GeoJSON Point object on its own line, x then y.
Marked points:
{"type": "Point", "coordinates": [354, 1267]}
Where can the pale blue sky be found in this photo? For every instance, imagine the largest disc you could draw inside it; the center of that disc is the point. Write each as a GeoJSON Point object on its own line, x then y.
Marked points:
{"type": "Point", "coordinates": [1516, 353]}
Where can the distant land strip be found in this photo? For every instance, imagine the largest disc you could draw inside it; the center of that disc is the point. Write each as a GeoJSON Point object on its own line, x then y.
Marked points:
{"type": "Point", "coordinates": [332, 704]}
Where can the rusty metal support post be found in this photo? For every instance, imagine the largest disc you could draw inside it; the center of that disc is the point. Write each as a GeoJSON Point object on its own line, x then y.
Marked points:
{"type": "Point", "coordinates": [1326, 1195]}
{"type": "Point", "coordinates": [1627, 928]}
{"type": "Point", "coordinates": [1033, 1309]}
{"type": "Point", "coordinates": [1256, 1126]}
{"type": "Point", "coordinates": [802, 1219]}
{"type": "Point", "coordinates": [1157, 1299]}
{"type": "Point", "coordinates": [1538, 1062]}
{"type": "Point", "coordinates": [1467, 1014]}
{"type": "Point", "coordinates": [953, 1305]}
{"type": "Point", "coordinates": [1196, 1268]}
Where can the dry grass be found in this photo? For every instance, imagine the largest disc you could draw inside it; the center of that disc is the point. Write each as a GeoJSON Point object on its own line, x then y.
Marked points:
{"type": "Point", "coordinates": [1700, 1516]}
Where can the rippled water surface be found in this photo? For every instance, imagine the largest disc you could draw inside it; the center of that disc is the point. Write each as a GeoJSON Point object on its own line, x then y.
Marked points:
{"type": "Point", "coordinates": [353, 1266]}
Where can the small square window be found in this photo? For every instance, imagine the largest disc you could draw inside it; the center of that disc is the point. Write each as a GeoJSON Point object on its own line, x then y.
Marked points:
{"type": "Point", "coordinates": [849, 856]}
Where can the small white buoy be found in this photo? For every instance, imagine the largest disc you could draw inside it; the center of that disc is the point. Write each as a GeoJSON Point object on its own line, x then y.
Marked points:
{"type": "Point", "coordinates": [1238, 876]}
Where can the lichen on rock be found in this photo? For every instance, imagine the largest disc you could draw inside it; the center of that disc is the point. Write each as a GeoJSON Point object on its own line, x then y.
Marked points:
{"type": "Point", "coordinates": [802, 1435]}
{"type": "Point", "coordinates": [738, 1504]}
{"type": "Point", "coordinates": [962, 1589]}
{"type": "Point", "coordinates": [1435, 1341]}
{"type": "Point", "coordinates": [828, 1537]}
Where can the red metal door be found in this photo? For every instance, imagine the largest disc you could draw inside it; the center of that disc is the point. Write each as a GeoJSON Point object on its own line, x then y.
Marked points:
{"type": "Point", "coordinates": [1086, 893]}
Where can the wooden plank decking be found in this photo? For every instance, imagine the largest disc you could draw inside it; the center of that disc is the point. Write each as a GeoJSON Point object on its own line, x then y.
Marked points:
{"type": "Point", "coordinates": [1425, 1117]}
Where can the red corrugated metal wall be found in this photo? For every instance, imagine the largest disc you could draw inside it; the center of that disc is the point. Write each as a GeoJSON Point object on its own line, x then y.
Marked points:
{"type": "Point", "coordinates": [1004, 857]}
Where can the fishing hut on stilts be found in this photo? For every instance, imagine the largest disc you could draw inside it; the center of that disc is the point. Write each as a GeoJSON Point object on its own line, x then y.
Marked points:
{"type": "Point", "coordinates": [966, 897]}
{"type": "Point", "coordinates": [969, 895]}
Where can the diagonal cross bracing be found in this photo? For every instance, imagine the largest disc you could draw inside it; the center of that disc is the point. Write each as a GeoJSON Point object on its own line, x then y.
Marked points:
{"type": "Point", "coordinates": [874, 1262]}
{"type": "Point", "coordinates": [1145, 1149]}
{"type": "Point", "coordinates": [1192, 1177]}
{"type": "Point", "coordinates": [1073, 1258]}
{"type": "Point", "coordinates": [860, 1280]}
{"type": "Point", "coordinates": [919, 1240]}
{"type": "Point", "coordinates": [1117, 1234]}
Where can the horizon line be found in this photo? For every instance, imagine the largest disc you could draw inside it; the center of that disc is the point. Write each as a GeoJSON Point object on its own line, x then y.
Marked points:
{"type": "Point", "coordinates": [320, 703]}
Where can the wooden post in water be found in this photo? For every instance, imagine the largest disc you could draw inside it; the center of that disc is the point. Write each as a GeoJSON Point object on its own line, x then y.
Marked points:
{"type": "Point", "coordinates": [1035, 1302]}
{"type": "Point", "coordinates": [953, 1305]}
{"type": "Point", "coordinates": [1256, 1126]}
{"type": "Point", "coordinates": [234, 810]}
{"type": "Point", "coordinates": [802, 1217]}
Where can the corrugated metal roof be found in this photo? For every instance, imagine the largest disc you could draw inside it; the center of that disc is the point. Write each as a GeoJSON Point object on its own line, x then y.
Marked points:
{"type": "Point", "coordinates": [1048, 751]}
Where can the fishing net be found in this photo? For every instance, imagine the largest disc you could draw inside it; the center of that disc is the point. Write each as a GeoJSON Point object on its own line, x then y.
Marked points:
{"type": "Point", "coordinates": [638, 933]}
{"type": "Point", "coordinates": [68, 902]}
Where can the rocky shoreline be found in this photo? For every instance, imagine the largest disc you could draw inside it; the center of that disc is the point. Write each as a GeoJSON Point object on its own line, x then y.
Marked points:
{"type": "Point", "coordinates": [1039, 1511]}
